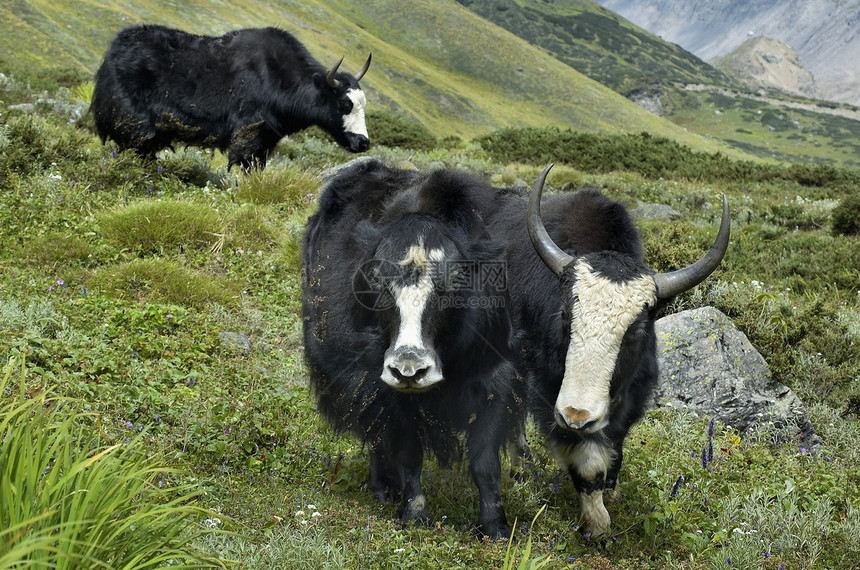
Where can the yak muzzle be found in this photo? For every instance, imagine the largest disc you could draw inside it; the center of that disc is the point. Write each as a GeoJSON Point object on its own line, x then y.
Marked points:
{"type": "Point", "coordinates": [411, 369]}
{"type": "Point", "coordinates": [581, 419]}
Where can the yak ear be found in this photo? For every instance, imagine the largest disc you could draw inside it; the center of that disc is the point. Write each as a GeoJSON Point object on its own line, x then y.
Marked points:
{"type": "Point", "coordinates": [366, 235]}
{"type": "Point", "coordinates": [489, 250]}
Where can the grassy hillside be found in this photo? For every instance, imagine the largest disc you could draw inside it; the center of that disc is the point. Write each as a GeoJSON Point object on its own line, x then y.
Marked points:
{"type": "Point", "coordinates": [599, 43]}
{"type": "Point", "coordinates": [434, 60]}
{"type": "Point", "coordinates": [636, 63]}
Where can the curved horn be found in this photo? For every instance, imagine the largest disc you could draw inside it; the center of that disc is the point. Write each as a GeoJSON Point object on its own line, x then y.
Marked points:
{"type": "Point", "coordinates": [329, 75]}
{"type": "Point", "coordinates": [364, 69]}
{"type": "Point", "coordinates": [551, 254]}
{"type": "Point", "coordinates": [676, 282]}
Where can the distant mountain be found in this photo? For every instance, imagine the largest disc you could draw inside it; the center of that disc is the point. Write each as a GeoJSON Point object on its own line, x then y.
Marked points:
{"type": "Point", "coordinates": [824, 33]}
{"type": "Point", "coordinates": [769, 64]}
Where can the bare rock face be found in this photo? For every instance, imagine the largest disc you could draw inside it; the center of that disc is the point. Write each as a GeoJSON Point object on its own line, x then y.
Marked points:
{"type": "Point", "coordinates": [769, 63]}
{"type": "Point", "coordinates": [709, 366]}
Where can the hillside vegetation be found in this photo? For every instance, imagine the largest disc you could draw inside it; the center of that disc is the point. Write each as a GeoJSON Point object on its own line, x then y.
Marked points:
{"type": "Point", "coordinates": [154, 407]}
{"type": "Point", "coordinates": [158, 303]}
{"type": "Point", "coordinates": [434, 61]}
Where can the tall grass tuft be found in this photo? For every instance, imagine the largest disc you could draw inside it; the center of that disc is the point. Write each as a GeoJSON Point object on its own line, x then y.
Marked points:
{"type": "Point", "coordinates": [151, 226]}
{"type": "Point", "coordinates": [524, 555]}
{"type": "Point", "coordinates": [289, 187]}
{"type": "Point", "coordinates": [167, 280]}
{"type": "Point", "coordinates": [68, 500]}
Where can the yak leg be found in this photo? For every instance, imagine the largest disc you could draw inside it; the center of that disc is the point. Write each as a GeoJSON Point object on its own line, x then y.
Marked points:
{"type": "Point", "coordinates": [588, 462]}
{"type": "Point", "coordinates": [384, 482]}
{"type": "Point", "coordinates": [409, 458]}
{"type": "Point", "coordinates": [519, 451]}
{"type": "Point", "coordinates": [485, 439]}
{"type": "Point", "coordinates": [486, 471]}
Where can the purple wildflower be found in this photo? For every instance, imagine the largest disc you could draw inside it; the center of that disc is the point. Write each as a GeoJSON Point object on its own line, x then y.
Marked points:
{"type": "Point", "coordinates": [678, 482]}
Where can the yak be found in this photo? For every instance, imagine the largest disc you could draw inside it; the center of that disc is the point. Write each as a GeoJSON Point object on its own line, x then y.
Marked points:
{"type": "Point", "coordinates": [407, 336]}
{"type": "Point", "coordinates": [240, 93]}
{"type": "Point", "coordinates": [583, 305]}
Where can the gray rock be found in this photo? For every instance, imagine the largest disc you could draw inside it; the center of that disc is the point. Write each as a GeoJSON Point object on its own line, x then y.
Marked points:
{"type": "Point", "coordinates": [709, 366]}
{"type": "Point", "coordinates": [655, 212]}
{"type": "Point", "coordinates": [236, 341]}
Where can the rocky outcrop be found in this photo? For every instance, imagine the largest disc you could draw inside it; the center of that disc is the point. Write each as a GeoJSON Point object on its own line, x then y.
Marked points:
{"type": "Point", "coordinates": [768, 63]}
{"type": "Point", "coordinates": [709, 367]}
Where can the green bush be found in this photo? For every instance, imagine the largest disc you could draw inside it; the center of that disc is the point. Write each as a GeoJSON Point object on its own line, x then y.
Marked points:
{"type": "Point", "coordinates": [845, 217]}
{"type": "Point", "coordinates": [167, 280]}
{"type": "Point", "coordinates": [388, 129]}
{"type": "Point", "coordinates": [650, 156]}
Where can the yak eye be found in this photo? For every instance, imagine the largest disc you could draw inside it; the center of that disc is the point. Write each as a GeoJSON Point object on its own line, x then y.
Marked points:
{"type": "Point", "coordinates": [345, 105]}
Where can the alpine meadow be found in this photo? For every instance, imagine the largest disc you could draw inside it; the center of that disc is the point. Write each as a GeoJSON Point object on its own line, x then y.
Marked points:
{"type": "Point", "coordinates": [155, 409]}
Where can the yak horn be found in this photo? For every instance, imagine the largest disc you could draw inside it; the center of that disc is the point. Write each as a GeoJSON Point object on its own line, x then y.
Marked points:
{"type": "Point", "coordinates": [676, 282]}
{"type": "Point", "coordinates": [549, 252]}
{"type": "Point", "coordinates": [329, 76]}
{"type": "Point", "coordinates": [364, 69]}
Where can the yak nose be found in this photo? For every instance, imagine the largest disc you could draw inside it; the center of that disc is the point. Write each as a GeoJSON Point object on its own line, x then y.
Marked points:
{"type": "Point", "coordinates": [359, 144]}
{"type": "Point", "coordinates": [409, 366]}
{"type": "Point", "coordinates": [411, 369]}
{"type": "Point", "coordinates": [575, 418]}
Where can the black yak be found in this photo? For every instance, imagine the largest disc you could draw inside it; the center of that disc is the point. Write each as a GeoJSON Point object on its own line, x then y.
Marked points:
{"type": "Point", "coordinates": [240, 93]}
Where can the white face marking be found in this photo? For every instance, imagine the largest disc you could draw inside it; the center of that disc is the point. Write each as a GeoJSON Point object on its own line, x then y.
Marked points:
{"type": "Point", "coordinates": [598, 323]}
{"type": "Point", "coordinates": [411, 301]}
{"type": "Point", "coordinates": [354, 121]}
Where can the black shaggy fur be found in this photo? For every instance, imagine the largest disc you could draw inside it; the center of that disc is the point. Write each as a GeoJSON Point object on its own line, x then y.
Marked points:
{"type": "Point", "coordinates": [368, 217]}
{"type": "Point", "coordinates": [240, 93]}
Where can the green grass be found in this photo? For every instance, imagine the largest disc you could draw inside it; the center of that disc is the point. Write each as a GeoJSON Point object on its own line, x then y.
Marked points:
{"type": "Point", "coordinates": [73, 497]}
{"type": "Point", "coordinates": [134, 335]}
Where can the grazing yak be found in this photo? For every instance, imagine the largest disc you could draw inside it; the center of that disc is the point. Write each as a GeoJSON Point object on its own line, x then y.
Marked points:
{"type": "Point", "coordinates": [583, 304]}
{"type": "Point", "coordinates": [406, 331]}
{"type": "Point", "coordinates": [240, 93]}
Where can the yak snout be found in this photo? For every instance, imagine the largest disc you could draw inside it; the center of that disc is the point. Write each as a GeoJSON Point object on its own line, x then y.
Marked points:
{"type": "Point", "coordinates": [580, 419]}
{"type": "Point", "coordinates": [411, 369]}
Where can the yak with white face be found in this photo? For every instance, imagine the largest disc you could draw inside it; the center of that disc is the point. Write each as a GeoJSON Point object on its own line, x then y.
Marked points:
{"type": "Point", "coordinates": [584, 305]}
{"type": "Point", "coordinates": [408, 342]}
{"type": "Point", "coordinates": [240, 93]}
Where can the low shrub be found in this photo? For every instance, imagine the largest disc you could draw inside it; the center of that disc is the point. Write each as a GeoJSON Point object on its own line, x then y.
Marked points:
{"type": "Point", "coordinates": [167, 280]}
{"type": "Point", "coordinates": [389, 129]}
{"type": "Point", "coordinates": [845, 218]}
{"type": "Point", "coordinates": [150, 226]}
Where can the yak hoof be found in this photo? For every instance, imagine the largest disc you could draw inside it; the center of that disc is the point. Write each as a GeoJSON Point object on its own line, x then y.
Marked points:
{"type": "Point", "coordinates": [497, 531]}
{"type": "Point", "coordinates": [415, 511]}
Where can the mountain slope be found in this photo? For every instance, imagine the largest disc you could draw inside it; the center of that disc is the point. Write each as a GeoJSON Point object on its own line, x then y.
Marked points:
{"type": "Point", "coordinates": [599, 43]}
{"type": "Point", "coordinates": [434, 60]}
{"type": "Point", "coordinates": [825, 33]}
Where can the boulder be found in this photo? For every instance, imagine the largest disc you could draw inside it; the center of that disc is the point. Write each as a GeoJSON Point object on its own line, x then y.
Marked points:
{"type": "Point", "coordinates": [709, 366]}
